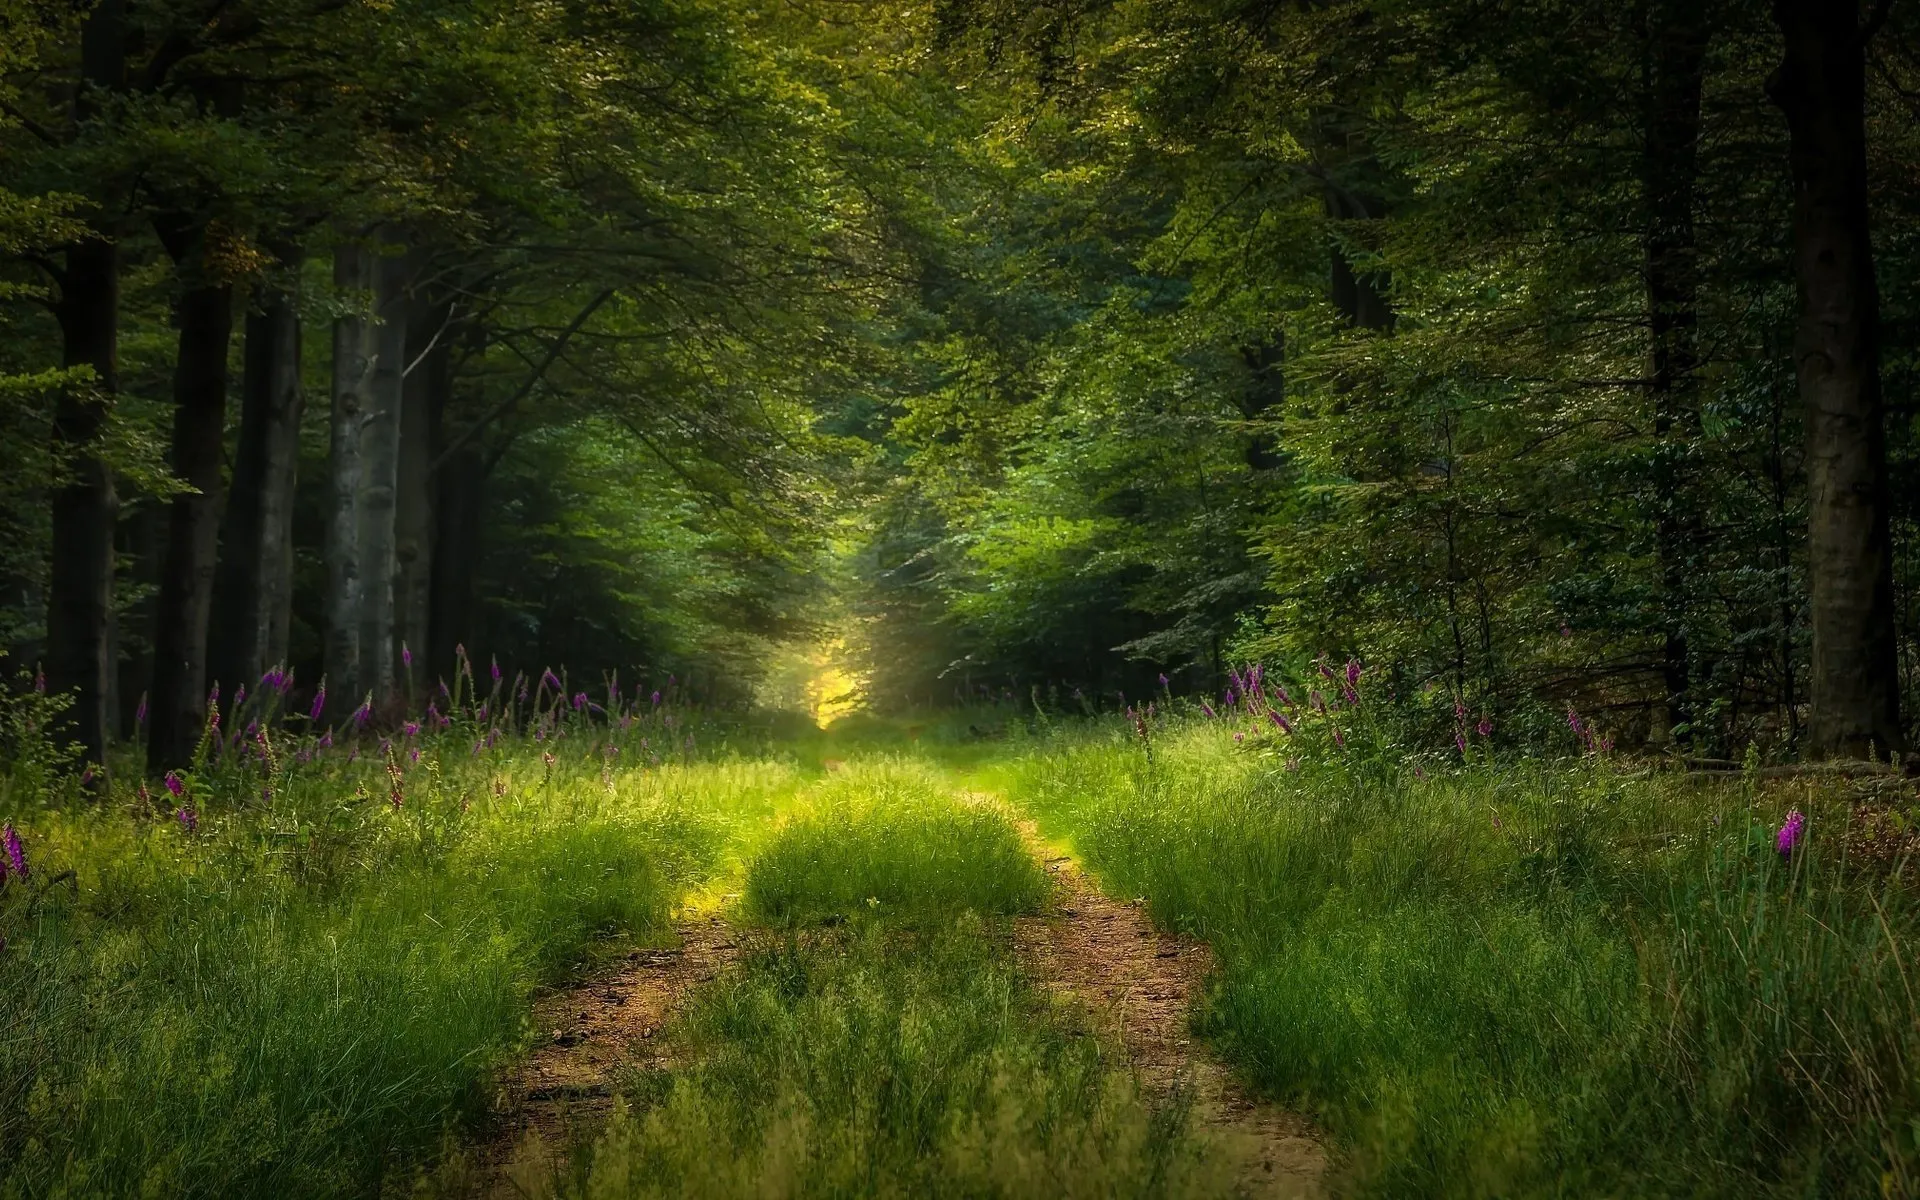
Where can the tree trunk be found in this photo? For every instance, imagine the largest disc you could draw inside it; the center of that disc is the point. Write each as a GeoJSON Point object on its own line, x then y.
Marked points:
{"type": "Point", "coordinates": [80, 589]}
{"type": "Point", "coordinates": [1676, 40]}
{"type": "Point", "coordinates": [204, 314]}
{"type": "Point", "coordinates": [1854, 674]}
{"type": "Point", "coordinates": [380, 465]}
{"type": "Point", "coordinates": [458, 488]}
{"type": "Point", "coordinates": [353, 355]}
{"type": "Point", "coordinates": [253, 594]}
{"type": "Point", "coordinates": [80, 586]}
{"type": "Point", "coordinates": [423, 399]}
{"type": "Point", "coordinates": [1361, 298]}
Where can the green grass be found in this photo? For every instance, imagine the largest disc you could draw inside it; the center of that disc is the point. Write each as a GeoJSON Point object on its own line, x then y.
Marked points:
{"type": "Point", "coordinates": [1524, 979]}
{"type": "Point", "coordinates": [1499, 979]}
{"type": "Point", "coordinates": [891, 836]}
{"type": "Point", "coordinates": [310, 993]}
{"type": "Point", "coordinates": [872, 1060]}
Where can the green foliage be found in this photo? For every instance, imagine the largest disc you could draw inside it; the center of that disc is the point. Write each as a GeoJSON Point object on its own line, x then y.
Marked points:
{"type": "Point", "coordinates": [887, 837]}
{"type": "Point", "coordinates": [1525, 979]}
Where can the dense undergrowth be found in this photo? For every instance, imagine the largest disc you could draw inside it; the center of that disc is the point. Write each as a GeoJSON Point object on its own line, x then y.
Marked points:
{"type": "Point", "coordinates": [1524, 977]}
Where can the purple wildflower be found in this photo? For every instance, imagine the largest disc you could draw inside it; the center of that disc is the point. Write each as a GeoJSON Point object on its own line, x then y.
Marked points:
{"type": "Point", "coordinates": [1239, 737]}
{"type": "Point", "coordinates": [1788, 838]}
{"type": "Point", "coordinates": [411, 729]}
{"type": "Point", "coordinates": [493, 669]}
{"type": "Point", "coordinates": [189, 820]}
{"type": "Point", "coordinates": [1281, 691]}
{"type": "Point", "coordinates": [40, 681]}
{"type": "Point", "coordinates": [656, 699]}
{"type": "Point", "coordinates": [1273, 714]}
{"type": "Point", "coordinates": [1207, 709]}
{"type": "Point", "coordinates": [406, 655]}
{"type": "Point", "coordinates": [579, 701]}
{"type": "Point", "coordinates": [16, 853]}
{"type": "Point", "coordinates": [319, 702]}
{"type": "Point", "coordinates": [1339, 739]}
{"type": "Point", "coordinates": [549, 679]}
{"type": "Point", "coordinates": [416, 755]}
{"type": "Point", "coordinates": [213, 696]}
{"type": "Point", "coordinates": [1353, 672]}
{"type": "Point", "coordinates": [364, 713]}
{"type": "Point", "coordinates": [240, 695]}
{"type": "Point", "coordinates": [174, 784]}
{"type": "Point", "coordinates": [1163, 680]}
{"type": "Point", "coordinates": [326, 740]}
{"type": "Point", "coordinates": [140, 712]}
{"type": "Point", "coordinates": [1230, 699]}
{"type": "Point", "coordinates": [1325, 671]}
{"type": "Point", "coordinates": [1460, 740]}
{"type": "Point", "coordinates": [1484, 728]}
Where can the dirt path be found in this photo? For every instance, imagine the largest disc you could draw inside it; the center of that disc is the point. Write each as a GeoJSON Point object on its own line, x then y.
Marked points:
{"type": "Point", "coordinates": [1141, 982]}
{"type": "Point", "coordinates": [591, 1031]}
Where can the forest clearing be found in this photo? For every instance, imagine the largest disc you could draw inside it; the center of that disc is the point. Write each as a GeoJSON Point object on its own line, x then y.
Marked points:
{"type": "Point", "coordinates": [960, 598]}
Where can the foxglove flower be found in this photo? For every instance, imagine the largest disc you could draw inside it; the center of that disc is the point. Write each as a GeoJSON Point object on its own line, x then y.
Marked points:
{"type": "Point", "coordinates": [319, 702]}
{"type": "Point", "coordinates": [656, 699]}
{"type": "Point", "coordinates": [189, 820]}
{"type": "Point", "coordinates": [1788, 838]}
{"type": "Point", "coordinates": [1163, 680]}
{"type": "Point", "coordinates": [1460, 740]}
{"type": "Point", "coordinates": [326, 740]}
{"type": "Point", "coordinates": [549, 679]}
{"type": "Point", "coordinates": [493, 669]}
{"type": "Point", "coordinates": [1339, 739]}
{"type": "Point", "coordinates": [240, 695]}
{"type": "Point", "coordinates": [140, 712]}
{"type": "Point", "coordinates": [1484, 728]}
{"type": "Point", "coordinates": [40, 682]}
{"type": "Point", "coordinates": [411, 729]}
{"type": "Point", "coordinates": [1207, 709]}
{"type": "Point", "coordinates": [16, 853]}
{"type": "Point", "coordinates": [1285, 726]}
{"type": "Point", "coordinates": [579, 701]}
{"type": "Point", "coordinates": [1353, 672]}
{"type": "Point", "coordinates": [174, 784]}
{"type": "Point", "coordinates": [406, 655]}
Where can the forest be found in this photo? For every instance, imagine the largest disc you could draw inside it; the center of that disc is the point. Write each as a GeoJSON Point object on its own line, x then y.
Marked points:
{"type": "Point", "coordinates": [960, 598]}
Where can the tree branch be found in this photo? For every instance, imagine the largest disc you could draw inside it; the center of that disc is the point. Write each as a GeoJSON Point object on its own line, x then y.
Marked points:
{"type": "Point", "coordinates": [511, 402]}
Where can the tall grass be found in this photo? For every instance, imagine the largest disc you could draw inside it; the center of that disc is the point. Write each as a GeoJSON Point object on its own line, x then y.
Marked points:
{"type": "Point", "coordinates": [871, 1061]}
{"type": "Point", "coordinates": [309, 990]}
{"type": "Point", "coordinates": [1529, 978]}
{"type": "Point", "coordinates": [890, 836]}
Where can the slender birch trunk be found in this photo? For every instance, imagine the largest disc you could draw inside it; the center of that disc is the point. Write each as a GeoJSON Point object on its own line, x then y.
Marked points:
{"type": "Point", "coordinates": [352, 402]}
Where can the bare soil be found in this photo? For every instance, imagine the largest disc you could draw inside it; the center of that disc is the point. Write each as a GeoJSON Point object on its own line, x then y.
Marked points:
{"type": "Point", "coordinates": [591, 1032]}
{"type": "Point", "coordinates": [1140, 983]}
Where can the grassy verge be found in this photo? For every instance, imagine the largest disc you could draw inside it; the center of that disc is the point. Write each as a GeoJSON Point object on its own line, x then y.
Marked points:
{"type": "Point", "coordinates": [305, 992]}
{"type": "Point", "coordinates": [1526, 979]}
